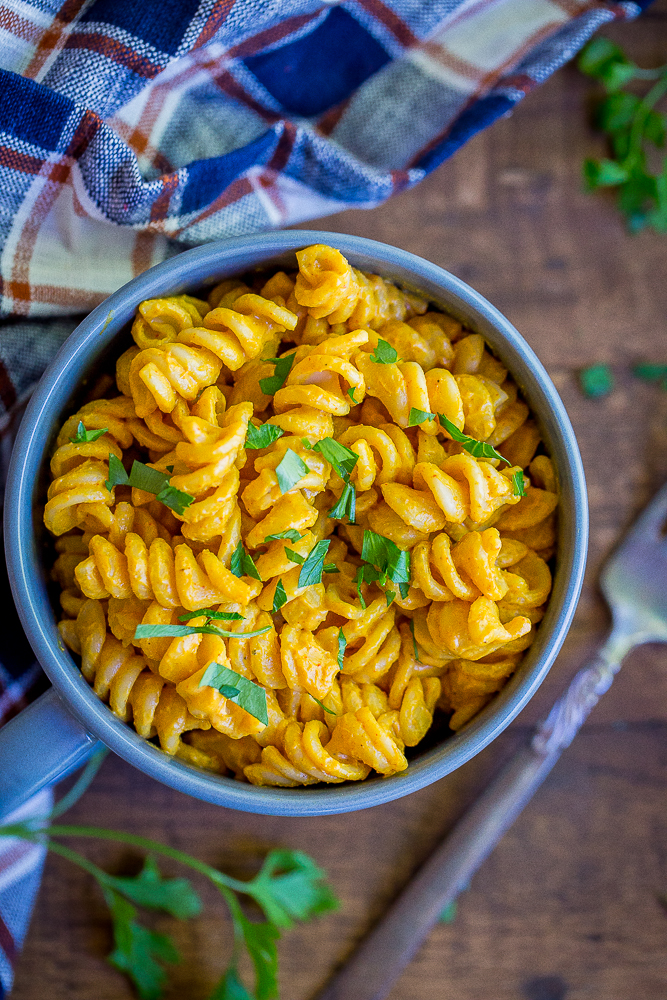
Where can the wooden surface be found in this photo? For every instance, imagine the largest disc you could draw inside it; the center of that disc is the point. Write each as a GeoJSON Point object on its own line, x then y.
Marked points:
{"type": "Point", "coordinates": [567, 905]}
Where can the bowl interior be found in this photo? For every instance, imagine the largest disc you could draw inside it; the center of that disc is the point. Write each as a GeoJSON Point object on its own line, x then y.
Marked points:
{"type": "Point", "coordinates": [93, 347]}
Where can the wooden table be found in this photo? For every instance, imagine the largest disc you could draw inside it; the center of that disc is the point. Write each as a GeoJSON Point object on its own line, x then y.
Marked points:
{"type": "Point", "coordinates": [567, 906]}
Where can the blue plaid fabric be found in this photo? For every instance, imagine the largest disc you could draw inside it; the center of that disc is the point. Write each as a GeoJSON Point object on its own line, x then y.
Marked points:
{"type": "Point", "coordinates": [130, 130]}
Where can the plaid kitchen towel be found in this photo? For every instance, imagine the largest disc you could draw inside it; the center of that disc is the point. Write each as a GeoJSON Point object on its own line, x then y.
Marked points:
{"type": "Point", "coordinates": [130, 130]}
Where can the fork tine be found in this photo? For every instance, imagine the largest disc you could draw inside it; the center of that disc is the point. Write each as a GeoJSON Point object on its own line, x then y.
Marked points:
{"type": "Point", "coordinates": [652, 519]}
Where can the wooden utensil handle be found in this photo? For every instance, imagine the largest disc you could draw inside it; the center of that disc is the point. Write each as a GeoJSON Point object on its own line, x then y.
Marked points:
{"type": "Point", "coordinates": [379, 960]}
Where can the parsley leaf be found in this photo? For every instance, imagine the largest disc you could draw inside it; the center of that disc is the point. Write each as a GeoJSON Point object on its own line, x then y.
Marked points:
{"type": "Point", "coordinates": [83, 436]}
{"type": "Point", "coordinates": [176, 500]}
{"type": "Point", "coordinates": [138, 952]}
{"type": "Point", "coordinates": [260, 941]}
{"type": "Point", "coordinates": [342, 645]}
{"type": "Point", "coordinates": [283, 367]}
{"type": "Point", "coordinates": [385, 556]}
{"type": "Point", "coordinates": [173, 895]}
{"type": "Point", "coordinates": [230, 987]}
{"type": "Point", "coordinates": [225, 616]}
{"type": "Point", "coordinates": [331, 568]}
{"type": "Point", "coordinates": [262, 436]}
{"type": "Point", "coordinates": [117, 474]}
{"type": "Point", "coordinates": [519, 484]}
{"type": "Point", "coordinates": [177, 631]}
{"type": "Point", "coordinates": [143, 477]}
{"type": "Point", "coordinates": [290, 470]}
{"type": "Point", "coordinates": [291, 533]}
{"type": "Point", "coordinates": [249, 696]}
{"type": "Point", "coordinates": [419, 416]}
{"type": "Point", "coordinates": [311, 571]}
{"type": "Point", "coordinates": [294, 556]}
{"type": "Point", "coordinates": [596, 380]}
{"type": "Point", "coordinates": [389, 595]}
{"type": "Point", "coordinates": [350, 393]}
{"type": "Point", "coordinates": [341, 458]}
{"type": "Point", "coordinates": [346, 506]}
{"type": "Point", "coordinates": [367, 574]}
{"type": "Point", "coordinates": [289, 886]}
{"type": "Point", "coordinates": [651, 373]}
{"type": "Point", "coordinates": [384, 353]}
{"type": "Point", "coordinates": [279, 597]}
{"type": "Point", "coordinates": [242, 564]}
{"type": "Point", "coordinates": [478, 449]}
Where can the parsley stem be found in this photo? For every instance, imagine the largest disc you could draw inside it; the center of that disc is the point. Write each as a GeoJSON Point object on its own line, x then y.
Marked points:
{"type": "Point", "coordinates": [78, 859]}
{"type": "Point", "coordinates": [637, 131]}
{"type": "Point", "coordinates": [143, 843]}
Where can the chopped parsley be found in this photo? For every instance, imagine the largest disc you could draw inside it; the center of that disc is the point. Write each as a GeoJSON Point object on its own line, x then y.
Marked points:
{"type": "Point", "coordinates": [143, 477]}
{"type": "Point", "coordinates": [291, 534]}
{"type": "Point", "coordinates": [84, 436]}
{"type": "Point", "coordinates": [414, 641]}
{"type": "Point", "coordinates": [237, 688]}
{"type": "Point", "coordinates": [383, 561]}
{"type": "Point", "coordinates": [342, 645]}
{"type": "Point", "coordinates": [346, 505]}
{"type": "Point", "coordinates": [341, 458]}
{"type": "Point", "coordinates": [478, 449]}
{"type": "Point", "coordinates": [290, 470]}
{"type": "Point", "coordinates": [419, 417]}
{"type": "Point", "coordinates": [279, 597]}
{"type": "Point", "coordinates": [262, 436]}
{"type": "Point", "coordinates": [283, 367]}
{"type": "Point", "coordinates": [384, 353]}
{"type": "Point", "coordinates": [242, 564]}
{"type": "Point", "coordinates": [519, 484]}
{"type": "Point", "coordinates": [311, 571]}
{"type": "Point", "coordinates": [294, 556]}
{"type": "Point", "coordinates": [177, 631]}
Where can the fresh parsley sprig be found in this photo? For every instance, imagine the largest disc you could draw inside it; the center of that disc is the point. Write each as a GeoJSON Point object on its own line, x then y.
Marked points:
{"type": "Point", "coordinates": [84, 436]}
{"type": "Point", "coordinates": [632, 124]}
{"type": "Point", "coordinates": [143, 477]}
{"type": "Point", "coordinates": [289, 887]}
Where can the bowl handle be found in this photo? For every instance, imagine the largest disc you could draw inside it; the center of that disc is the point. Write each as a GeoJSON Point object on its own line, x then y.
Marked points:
{"type": "Point", "coordinates": [39, 747]}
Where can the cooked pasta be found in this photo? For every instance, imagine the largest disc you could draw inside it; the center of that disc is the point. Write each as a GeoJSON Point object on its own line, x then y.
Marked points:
{"type": "Point", "coordinates": [315, 515]}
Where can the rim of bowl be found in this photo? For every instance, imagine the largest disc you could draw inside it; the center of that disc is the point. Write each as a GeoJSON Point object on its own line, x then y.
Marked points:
{"type": "Point", "coordinates": [189, 270]}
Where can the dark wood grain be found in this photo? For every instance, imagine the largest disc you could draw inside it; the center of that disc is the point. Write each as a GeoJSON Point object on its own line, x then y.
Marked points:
{"type": "Point", "coordinates": [566, 908]}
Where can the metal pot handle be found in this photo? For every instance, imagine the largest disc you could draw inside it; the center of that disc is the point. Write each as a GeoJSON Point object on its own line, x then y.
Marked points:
{"type": "Point", "coordinates": [39, 747]}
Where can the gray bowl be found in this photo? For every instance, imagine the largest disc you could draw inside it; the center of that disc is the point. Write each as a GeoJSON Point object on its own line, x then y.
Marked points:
{"type": "Point", "coordinates": [62, 728]}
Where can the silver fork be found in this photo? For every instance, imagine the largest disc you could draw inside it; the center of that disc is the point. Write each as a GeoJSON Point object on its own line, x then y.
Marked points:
{"type": "Point", "coordinates": [634, 582]}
